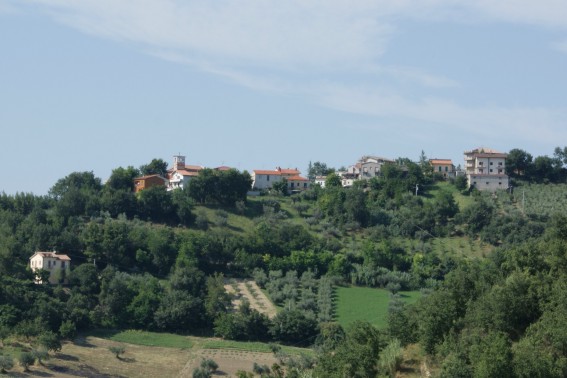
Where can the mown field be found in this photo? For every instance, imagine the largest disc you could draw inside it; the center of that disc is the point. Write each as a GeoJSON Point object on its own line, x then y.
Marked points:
{"type": "Point", "coordinates": [147, 354]}
{"type": "Point", "coordinates": [368, 304]}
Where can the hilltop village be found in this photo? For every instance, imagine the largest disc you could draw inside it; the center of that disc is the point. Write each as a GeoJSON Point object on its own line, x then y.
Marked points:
{"type": "Point", "coordinates": [484, 170]}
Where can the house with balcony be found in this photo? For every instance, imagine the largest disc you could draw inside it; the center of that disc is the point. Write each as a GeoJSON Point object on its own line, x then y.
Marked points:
{"type": "Point", "coordinates": [485, 169]}
{"type": "Point", "coordinates": [58, 266]}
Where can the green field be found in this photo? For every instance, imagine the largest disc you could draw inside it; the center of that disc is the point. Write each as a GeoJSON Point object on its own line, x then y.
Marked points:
{"type": "Point", "coordinates": [167, 340]}
{"type": "Point", "coordinates": [368, 304]}
{"type": "Point", "coordinates": [250, 346]}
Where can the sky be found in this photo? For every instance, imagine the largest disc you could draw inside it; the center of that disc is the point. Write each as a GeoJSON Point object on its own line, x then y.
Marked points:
{"type": "Point", "coordinates": [93, 85]}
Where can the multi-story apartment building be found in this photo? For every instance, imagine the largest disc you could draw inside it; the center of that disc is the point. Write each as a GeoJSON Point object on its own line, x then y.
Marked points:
{"type": "Point", "coordinates": [486, 169]}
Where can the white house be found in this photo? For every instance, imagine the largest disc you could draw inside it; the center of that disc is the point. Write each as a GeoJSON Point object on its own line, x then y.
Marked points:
{"type": "Point", "coordinates": [485, 169]}
{"type": "Point", "coordinates": [181, 173]}
{"type": "Point", "coordinates": [264, 179]}
{"type": "Point", "coordinates": [59, 266]}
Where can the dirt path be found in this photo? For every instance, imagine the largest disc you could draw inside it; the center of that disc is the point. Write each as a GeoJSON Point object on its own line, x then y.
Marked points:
{"type": "Point", "coordinates": [249, 289]}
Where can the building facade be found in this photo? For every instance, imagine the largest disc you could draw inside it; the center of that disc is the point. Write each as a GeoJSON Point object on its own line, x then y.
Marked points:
{"type": "Point", "coordinates": [265, 179]}
{"type": "Point", "coordinates": [59, 266]}
{"type": "Point", "coordinates": [485, 169]}
{"type": "Point", "coordinates": [444, 167]}
{"type": "Point", "coordinates": [181, 173]}
{"type": "Point", "coordinates": [145, 182]}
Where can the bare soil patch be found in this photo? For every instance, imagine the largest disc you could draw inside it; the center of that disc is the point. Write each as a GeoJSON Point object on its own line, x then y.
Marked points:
{"type": "Point", "coordinates": [249, 289]}
{"type": "Point", "coordinates": [229, 361]}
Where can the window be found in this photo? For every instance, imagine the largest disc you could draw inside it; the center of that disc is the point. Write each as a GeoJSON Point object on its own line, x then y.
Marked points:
{"type": "Point", "coordinates": [446, 169]}
{"type": "Point", "coordinates": [305, 185]}
{"type": "Point", "coordinates": [63, 264]}
{"type": "Point", "coordinates": [487, 183]}
{"type": "Point", "coordinates": [480, 163]}
{"type": "Point", "coordinates": [499, 171]}
{"type": "Point", "coordinates": [49, 263]}
{"type": "Point", "coordinates": [491, 170]}
{"type": "Point", "coordinates": [491, 163]}
{"type": "Point", "coordinates": [499, 183]}
{"type": "Point", "coordinates": [439, 169]}
{"type": "Point", "coordinates": [267, 177]}
{"type": "Point", "coordinates": [500, 163]}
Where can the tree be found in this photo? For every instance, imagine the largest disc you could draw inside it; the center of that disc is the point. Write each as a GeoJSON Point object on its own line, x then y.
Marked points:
{"type": "Point", "coordinates": [318, 169]}
{"type": "Point", "coordinates": [280, 187]}
{"type": "Point", "coordinates": [333, 181]}
{"type": "Point", "coordinates": [223, 187]}
{"type": "Point", "coordinates": [155, 167]}
{"type": "Point", "coordinates": [122, 178]}
{"type": "Point", "coordinates": [78, 181]}
{"type": "Point", "coordinates": [217, 300]}
{"type": "Point", "coordinates": [156, 205]}
{"type": "Point", "coordinates": [518, 163]}
{"type": "Point", "coordinates": [50, 341]}
{"type": "Point", "coordinates": [391, 358]}
{"type": "Point", "coordinates": [545, 169]}
{"type": "Point", "coordinates": [6, 363]}
{"type": "Point", "coordinates": [26, 359]}
{"type": "Point", "coordinates": [40, 354]}
{"type": "Point", "coordinates": [355, 357]}
{"type": "Point", "coordinates": [292, 326]}
{"type": "Point", "coordinates": [117, 350]}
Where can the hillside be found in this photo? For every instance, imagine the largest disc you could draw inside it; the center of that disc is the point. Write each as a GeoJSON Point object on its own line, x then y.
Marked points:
{"type": "Point", "coordinates": [333, 261]}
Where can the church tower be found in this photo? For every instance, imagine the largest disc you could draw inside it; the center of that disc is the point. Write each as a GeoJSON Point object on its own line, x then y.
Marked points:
{"type": "Point", "coordinates": [178, 162]}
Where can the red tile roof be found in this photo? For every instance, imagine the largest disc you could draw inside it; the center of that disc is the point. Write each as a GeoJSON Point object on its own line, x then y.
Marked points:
{"type": "Point", "coordinates": [289, 171]}
{"type": "Point", "coordinates": [223, 168]}
{"type": "Point", "coordinates": [296, 178]}
{"type": "Point", "coordinates": [148, 176]}
{"type": "Point", "coordinates": [266, 172]}
{"type": "Point", "coordinates": [52, 255]}
{"type": "Point", "coordinates": [441, 161]}
{"type": "Point", "coordinates": [184, 172]}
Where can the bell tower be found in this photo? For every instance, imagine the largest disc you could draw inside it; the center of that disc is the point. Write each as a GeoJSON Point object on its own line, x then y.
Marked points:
{"type": "Point", "coordinates": [178, 162]}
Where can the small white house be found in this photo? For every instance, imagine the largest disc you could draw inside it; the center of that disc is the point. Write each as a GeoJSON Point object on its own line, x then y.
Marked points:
{"type": "Point", "coordinates": [59, 266]}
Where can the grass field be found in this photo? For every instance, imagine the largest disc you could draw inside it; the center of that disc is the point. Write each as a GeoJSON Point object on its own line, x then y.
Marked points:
{"type": "Point", "coordinates": [166, 340]}
{"type": "Point", "coordinates": [250, 346]}
{"type": "Point", "coordinates": [369, 304]}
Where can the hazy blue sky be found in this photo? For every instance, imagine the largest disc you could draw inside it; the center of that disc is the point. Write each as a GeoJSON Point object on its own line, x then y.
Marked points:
{"type": "Point", "coordinates": [92, 85]}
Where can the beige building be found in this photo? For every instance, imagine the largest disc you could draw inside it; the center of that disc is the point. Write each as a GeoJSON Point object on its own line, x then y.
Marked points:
{"type": "Point", "coordinates": [264, 179]}
{"type": "Point", "coordinates": [444, 167]}
{"type": "Point", "coordinates": [59, 266]}
{"type": "Point", "coordinates": [486, 169]}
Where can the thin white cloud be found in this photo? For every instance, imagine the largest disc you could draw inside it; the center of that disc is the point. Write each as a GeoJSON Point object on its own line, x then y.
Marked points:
{"type": "Point", "coordinates": [305, 47]}
{"type": "Point", "coordinates": [529, 124]}
{"type": "Point", "coordinates": [6, 7]}
{"type": "Point", "coordinates": [560, 46]}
